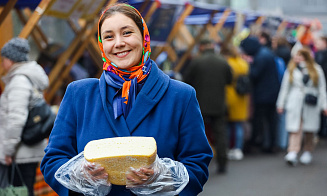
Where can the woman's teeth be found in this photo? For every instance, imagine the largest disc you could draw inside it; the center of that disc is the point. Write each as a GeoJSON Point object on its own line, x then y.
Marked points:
{"type": "Point", "coordinates": [121, 54]}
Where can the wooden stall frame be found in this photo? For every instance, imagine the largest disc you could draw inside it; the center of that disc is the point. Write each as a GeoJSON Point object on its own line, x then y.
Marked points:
{"type": "Point", "coordinates": [59, 68]}
{"type": "Point", "coordinates": [44, 38]}
{"type": "Point", "coordinates": [154, 6]}
{"type": "Point", "coordinates": [35, 34]}
{"type": "Point", "coordinates": [6, 10]}
{"type": "Point", "coordinates": [187, 11]}
{"type": "Point", "coordinates": [144, 5]}
{"type": "Point", "coordinates": [35, 17]}
{"type": "Point", "coordinates": [6, 35]}
{"type": "Point", "coordinates": [218, 26]}
{"type": "Point", "coordinates": [66, 70]}
{"type": "Point", "coordinates": [196, 40]}
{"type": "Point", "coordinates": [92, 47]}
{"type": "Point", "coordinates": [65, 56]}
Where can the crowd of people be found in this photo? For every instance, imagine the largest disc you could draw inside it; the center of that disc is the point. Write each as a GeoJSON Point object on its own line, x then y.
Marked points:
{"type": "Point", "coordinates": [264, 94]}
{"type": "Point", "coordinates": [272, 92]}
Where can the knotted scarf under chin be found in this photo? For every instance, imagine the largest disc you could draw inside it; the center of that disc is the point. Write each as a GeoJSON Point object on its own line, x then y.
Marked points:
{"type": "Point", "coordinates": [128, 85]}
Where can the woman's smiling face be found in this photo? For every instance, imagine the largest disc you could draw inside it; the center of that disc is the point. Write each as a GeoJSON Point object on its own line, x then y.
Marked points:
{"type": "Point", "coordinates": [122, 41]}
{"type": "Point", "coordinates": [298, 58]}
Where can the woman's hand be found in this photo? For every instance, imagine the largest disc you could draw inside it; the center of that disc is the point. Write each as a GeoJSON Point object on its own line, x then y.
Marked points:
{"type": "Point", "coordinates": [324, 112]}
{"type": "Point", "coordinates": [8, 160]}
{"type": "Point", "coordinates": [280, 110]}
{"type": "Point", "coordinates": [95, 171]}
{"type": "Point", "coordinates": [139, 177]}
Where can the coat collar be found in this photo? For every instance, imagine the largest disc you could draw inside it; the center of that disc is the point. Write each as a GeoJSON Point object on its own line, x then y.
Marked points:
{"type": "Point", "coordinates": [153, 90]}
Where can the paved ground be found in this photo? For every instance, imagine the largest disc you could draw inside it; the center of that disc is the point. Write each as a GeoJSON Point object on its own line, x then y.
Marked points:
{"type": "Point", "coordinates": [268, 175]}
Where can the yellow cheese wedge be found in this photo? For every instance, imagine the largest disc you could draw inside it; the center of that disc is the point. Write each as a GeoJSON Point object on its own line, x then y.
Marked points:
{"type": "Point", "coordinates": [118, 154]}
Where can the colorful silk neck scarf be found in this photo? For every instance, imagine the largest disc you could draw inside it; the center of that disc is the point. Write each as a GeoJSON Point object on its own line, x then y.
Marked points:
{"type": "Point", "coordinates": [127, 80]}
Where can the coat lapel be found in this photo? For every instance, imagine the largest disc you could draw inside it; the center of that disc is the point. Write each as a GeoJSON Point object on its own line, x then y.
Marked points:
{"type": "Point", "coordinates": [118, 125]}
{"type": "Point", "coordinates": [153, 90]}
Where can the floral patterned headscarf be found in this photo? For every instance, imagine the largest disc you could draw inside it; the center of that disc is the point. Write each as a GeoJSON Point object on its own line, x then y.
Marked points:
{"type": "Point", "coordinates": [128, 81]}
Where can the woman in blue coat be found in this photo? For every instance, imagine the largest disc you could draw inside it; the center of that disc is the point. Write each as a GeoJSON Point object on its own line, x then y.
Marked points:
{"type": "Point", "coordinates": [133, 97]}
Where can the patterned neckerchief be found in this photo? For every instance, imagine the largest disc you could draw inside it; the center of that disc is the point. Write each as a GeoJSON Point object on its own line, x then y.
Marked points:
{"type": "Point", "coordinates": [127, 80]}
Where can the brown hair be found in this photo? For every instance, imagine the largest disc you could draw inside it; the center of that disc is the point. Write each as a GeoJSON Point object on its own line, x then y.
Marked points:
{"type": "Point", "coordinates": [310, 64]}
{"type": "Point", "coordinates": [282, 41]}
{"type": "Point", "coordinates": [228, 49]}
{"type": "Point", "coordinates": [125, 9]}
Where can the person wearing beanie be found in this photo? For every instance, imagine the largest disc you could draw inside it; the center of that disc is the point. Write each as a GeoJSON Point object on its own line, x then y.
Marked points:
{"type": "Point", "coordinates": [21, 78]}
{"type": "Point", "coordinates": [265, 88]}
{"type": "Point", "coordinates": [17, 50]}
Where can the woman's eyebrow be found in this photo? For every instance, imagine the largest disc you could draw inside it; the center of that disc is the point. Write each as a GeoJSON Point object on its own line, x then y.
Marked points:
{"type": "Point", "coordinates": [122, 28]}
{"type": "Point", "coordinates": [107, 31]}
{"type": "Point", "coordinates": [126, 27]}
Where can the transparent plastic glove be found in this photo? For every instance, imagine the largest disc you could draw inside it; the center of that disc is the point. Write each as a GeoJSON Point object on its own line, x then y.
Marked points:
{"type": "Point", "coordinates": [164, 177]}
{"type": "Point", "coordinates": [83, 177]}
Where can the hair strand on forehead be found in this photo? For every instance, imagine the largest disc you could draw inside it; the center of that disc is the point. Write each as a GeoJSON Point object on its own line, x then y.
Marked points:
{"type": "Point", "coordinates": [125, 9]}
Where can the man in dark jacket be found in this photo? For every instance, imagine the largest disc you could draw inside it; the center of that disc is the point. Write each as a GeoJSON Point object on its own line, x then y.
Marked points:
{"type": "Point", "coordinates": [321, 54]}
{"type": "Point", "coordinates": [320, 44]}
{"type": "Point", "coordinates": [264, 77]}
{"type": "Point", "coordinates": [209, 73]}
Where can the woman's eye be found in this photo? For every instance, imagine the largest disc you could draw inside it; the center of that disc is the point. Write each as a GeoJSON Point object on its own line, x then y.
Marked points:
{"type": "Point", "coordinates": [127, 32]}
{"type": "Point", "coordinates": [108, 36]}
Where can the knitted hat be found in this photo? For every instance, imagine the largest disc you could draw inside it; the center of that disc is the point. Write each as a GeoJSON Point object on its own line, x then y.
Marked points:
{"type": "Point", "coordinates": [16, 49]}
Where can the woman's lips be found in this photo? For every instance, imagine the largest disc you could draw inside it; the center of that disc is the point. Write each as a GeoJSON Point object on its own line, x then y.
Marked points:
{"type": "Point", "coordinates": [122, 54]}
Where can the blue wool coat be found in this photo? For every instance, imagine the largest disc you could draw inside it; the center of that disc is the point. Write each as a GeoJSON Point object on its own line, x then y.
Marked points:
{"type": "Point", "coordinates": [165, 109]}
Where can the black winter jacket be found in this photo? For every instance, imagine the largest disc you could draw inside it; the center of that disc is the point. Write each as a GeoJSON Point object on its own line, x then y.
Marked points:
{"type": "Point", "coordinates": [263, 72]}
{"type": "Point", "coordinates": [209, 74]}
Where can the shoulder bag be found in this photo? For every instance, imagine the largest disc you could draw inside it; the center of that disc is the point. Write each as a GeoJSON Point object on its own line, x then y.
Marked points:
{"type": "Point", "coordinates": [39, 123]}
{"type": "Point", "coordinates": [309, 98]}
{"type": "Point", "coordinates": [243, 85]}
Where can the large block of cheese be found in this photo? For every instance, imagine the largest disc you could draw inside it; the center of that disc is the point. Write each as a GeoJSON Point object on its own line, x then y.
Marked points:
{"type": "Point", "coordinates": [118, 154]}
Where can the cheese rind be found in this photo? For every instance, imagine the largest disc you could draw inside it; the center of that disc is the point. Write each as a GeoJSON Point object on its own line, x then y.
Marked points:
{"type": "Point", "coordinates": [118, 154]}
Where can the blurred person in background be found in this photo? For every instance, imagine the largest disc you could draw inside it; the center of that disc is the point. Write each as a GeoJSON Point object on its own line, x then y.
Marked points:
{"type": "Point", "coordinates": [209, 73]}
{"type": "Point", "coordinates": [18, 96]}
{"type": "Point", "coordinates": [320, 44]}
{"type": "Point", "coordinates": [265, 39]}
{"type": "Point", "coordinates": [237, 104]}
{"type": "Point", "coordinates": [265, 88]}
{"type": "Point", "coordinates": [282, 49]}
{"type": "Point", "coordinates": [302, 97]}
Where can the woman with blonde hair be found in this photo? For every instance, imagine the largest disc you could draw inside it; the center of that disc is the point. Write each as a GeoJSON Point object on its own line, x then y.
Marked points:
{"type": "Point", "coordinates": [302, 96]}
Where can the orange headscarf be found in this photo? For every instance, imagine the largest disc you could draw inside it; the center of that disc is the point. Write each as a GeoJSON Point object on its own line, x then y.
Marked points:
{"type": "Point", "coordinates": [127, 76]}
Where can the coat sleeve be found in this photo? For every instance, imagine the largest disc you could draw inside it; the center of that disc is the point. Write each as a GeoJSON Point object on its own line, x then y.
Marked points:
{"type": "Point", "coordinates": [283, 90]}
{"type": "Point", "coordinates": [194, 150]}
{"type": "Point", "coordinates": [190, 72]}
{"type": "Point", "coordinates": [257, 68]}
{"type": "Point", "coordinates": [18, 101]}
{"type": "Point", "coordinates": [62, 141]}
{"type": "Point", "coordinates": [229, 74]}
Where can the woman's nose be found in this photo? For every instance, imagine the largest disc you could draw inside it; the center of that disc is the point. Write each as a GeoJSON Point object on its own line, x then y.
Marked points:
{"type": "Point", "coordinates": [119, 42]}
